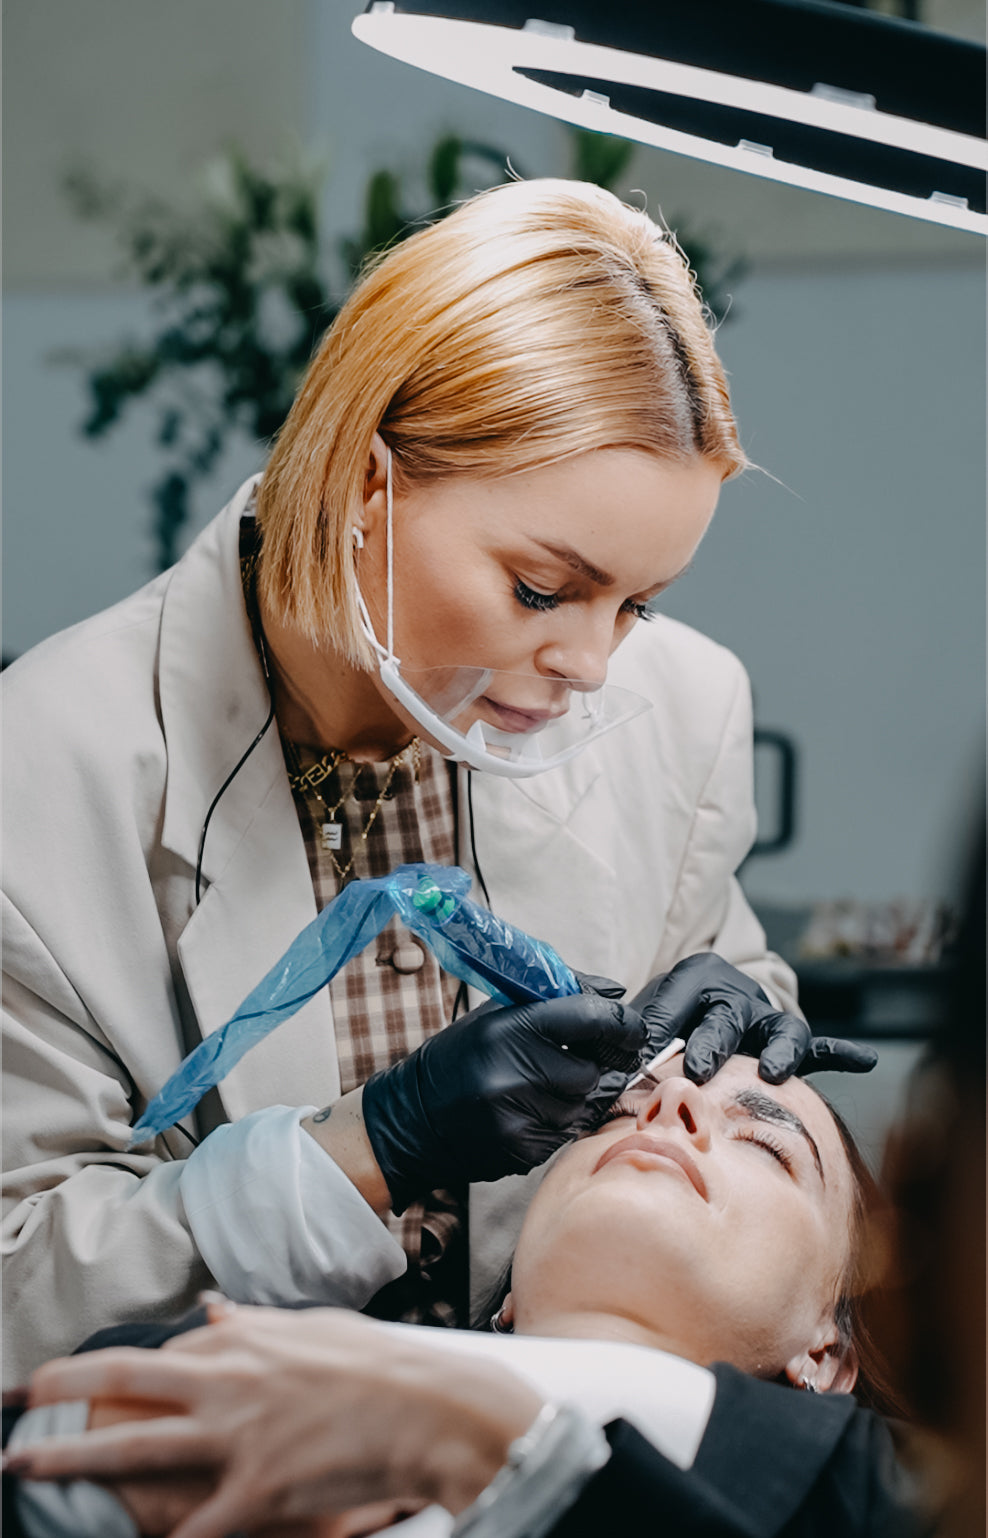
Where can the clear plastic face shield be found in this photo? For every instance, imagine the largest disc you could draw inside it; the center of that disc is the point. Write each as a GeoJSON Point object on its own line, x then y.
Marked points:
{"type": "Point", "coordinates": [510, 724]}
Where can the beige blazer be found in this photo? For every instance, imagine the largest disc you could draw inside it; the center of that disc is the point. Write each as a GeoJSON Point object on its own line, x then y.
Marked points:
{"type": "Point", "coordinates": [118, 734]}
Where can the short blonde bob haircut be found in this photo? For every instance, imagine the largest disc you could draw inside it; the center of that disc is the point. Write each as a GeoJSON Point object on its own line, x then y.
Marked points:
{"type": "Point", "coordinates": [540, 320]}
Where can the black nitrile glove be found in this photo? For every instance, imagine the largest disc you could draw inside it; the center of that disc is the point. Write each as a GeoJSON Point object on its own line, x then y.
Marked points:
{"type": "Point", "coordinates": [720, 1011]}
{"type": "Point", "coordinates": [495, 1093]}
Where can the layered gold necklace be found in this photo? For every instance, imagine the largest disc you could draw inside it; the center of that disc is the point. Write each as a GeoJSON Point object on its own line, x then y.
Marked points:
{"type": "Point", "coordinates": [309, 780]}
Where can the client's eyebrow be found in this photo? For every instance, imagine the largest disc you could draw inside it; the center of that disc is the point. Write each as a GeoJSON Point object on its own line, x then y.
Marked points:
{"type": "Point", "coordinates": [763, 1108]}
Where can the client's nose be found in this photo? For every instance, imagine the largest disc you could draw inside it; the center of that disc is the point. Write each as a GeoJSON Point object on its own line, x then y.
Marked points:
{"type": "Point", "coordinates": [679, 1105]}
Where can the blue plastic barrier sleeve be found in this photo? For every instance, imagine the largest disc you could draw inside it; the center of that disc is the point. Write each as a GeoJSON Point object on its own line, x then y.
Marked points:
{"type": "Point", "coordinates": [477, 946]}
{"type": "Point", "coordinates": [431, 900]}
{"type": "Point", "coordinates": [340, 931]}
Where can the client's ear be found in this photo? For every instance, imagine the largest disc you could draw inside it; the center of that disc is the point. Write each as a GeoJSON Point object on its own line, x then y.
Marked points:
{"type": "Point", "coordinates": [826, 1366]}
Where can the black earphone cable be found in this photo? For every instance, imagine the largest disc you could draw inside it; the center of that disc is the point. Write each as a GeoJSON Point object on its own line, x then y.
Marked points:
{"type": "Point", "coordinates": [462, 993]}
{"type": "Point", "coordinates": [215, 801]}
{"type": "Point", "coordinates": [263, 654]}
{"type": "Point", "coordinates": [473, 840]}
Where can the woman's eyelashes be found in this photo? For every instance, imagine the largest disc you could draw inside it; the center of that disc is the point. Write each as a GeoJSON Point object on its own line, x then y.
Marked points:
{"type": "Point", "coordinates": [544, 603]}
{"type": "Point", "coordinates": [770, 1144]}
{"type": "Point", "coordinates": [631, 1105]}
{"type": "Point", "coordinates": [531, 598]}
{"type": "Point", "coordinates": [618, 1109]}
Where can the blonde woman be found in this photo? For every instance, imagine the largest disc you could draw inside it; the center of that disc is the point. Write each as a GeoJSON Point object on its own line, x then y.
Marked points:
{"type": "Point", "coordinates": [390, 646]}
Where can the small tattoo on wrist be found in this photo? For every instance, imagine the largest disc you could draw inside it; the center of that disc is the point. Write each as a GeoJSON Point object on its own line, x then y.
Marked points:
{"type": "Point", "coordinates": [324, 1114]}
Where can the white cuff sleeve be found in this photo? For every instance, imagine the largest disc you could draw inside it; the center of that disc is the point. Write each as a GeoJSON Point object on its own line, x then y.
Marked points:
{"type": "Point", "coordinates": [64, 1508]}
{"type": "Point", "coordinates": [278, 1222]}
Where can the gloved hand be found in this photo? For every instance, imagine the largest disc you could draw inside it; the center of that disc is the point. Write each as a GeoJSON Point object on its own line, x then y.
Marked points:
{"type": "Point", "coordinates": [494, 1093]}
{"type": "Point", "coordinates": [720, 1011]}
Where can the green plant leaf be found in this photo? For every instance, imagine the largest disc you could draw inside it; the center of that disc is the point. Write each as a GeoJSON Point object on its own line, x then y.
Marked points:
{"type": "Point", "coordinates": [384, 218]}
{"type": "Point", "coordinates": [113, 385]}
{"type": "Point", "coordinates": [599, 158]}
{"type": "Point", "coordinates": [444, 169]}
{"type": "Point", "coordinates": [170, 500]}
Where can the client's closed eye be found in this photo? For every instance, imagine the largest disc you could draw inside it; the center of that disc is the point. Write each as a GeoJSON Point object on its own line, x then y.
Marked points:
{"type": "Point", "coordinates": [770, 1144]}
{"type": "Point", "coordinates": [618, 1109]}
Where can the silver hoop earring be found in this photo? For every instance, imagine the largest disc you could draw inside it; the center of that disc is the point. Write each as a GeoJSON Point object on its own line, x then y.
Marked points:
{"type": "Point", "coordinates": [808, 1386]}
{"type": "Point", "coordinates": [358, 537]}
{"type": "Point", "coordinates": [499, 1325]}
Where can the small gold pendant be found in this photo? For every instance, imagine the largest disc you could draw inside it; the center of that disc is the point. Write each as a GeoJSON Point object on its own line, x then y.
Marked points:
{"type": "Point", "coordinates": [332, 835]}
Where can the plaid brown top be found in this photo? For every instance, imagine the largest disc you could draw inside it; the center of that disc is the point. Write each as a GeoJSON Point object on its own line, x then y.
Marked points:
{"type": "Point", "coordinates": [387, 1000]}
{"type": "Point", "coordinates": [382, 1012]}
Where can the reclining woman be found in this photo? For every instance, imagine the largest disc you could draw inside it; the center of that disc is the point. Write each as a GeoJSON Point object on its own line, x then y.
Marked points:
{"type": "Point", "coordinates": [721, 1223]}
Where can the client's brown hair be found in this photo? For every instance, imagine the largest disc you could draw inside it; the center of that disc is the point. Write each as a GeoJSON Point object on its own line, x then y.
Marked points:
{"type": "Point", "coordinates": [860, 1285]}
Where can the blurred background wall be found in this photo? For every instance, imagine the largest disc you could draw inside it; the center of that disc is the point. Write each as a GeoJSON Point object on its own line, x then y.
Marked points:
{"type": "Point", "coordinates": [849, 576]}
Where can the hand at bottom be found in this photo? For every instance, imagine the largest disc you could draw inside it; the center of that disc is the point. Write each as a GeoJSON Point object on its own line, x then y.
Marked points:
{"type": "Point", "coordinates": [291, 1416]}
{"type": "Point", "coordinates": [158, 1504]}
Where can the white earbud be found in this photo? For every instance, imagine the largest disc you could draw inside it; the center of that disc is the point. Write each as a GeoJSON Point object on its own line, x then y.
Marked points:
{"type": "Point", "coordinates": [358, 537]}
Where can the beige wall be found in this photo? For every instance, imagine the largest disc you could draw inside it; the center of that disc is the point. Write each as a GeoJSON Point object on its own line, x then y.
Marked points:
{"type": "Point", "coordinates": [147, 90]}
{"type": "Point", "coordinates": [964, 18]}
{"type": "Point", "coordinates": [140, 90]}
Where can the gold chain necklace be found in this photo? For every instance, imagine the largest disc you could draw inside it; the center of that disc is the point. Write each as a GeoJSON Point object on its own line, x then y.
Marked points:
{"type": "Point", "coordinates": [310, 779]}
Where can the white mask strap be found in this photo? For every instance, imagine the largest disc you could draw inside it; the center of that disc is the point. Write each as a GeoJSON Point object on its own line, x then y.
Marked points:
{"type": "Point", "coordinates": [391, 565]}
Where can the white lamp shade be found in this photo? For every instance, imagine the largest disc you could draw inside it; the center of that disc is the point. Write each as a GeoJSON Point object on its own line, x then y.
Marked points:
{"type": "Point", "coordinates": [924, 154]}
